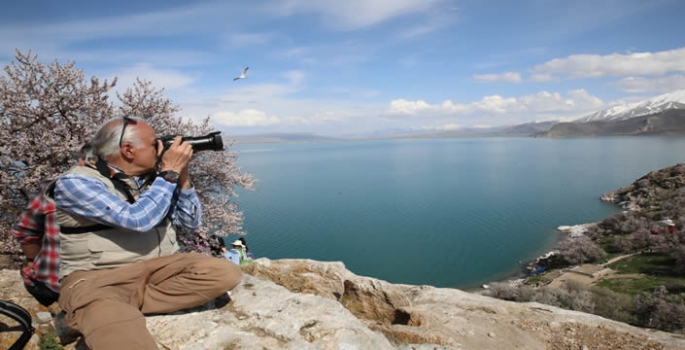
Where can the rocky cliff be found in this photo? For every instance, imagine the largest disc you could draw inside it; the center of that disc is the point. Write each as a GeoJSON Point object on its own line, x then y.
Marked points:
{"type": "Point", "coordinates": [660, 190]}
{"type": "Point", "coordinates": [304, 304]}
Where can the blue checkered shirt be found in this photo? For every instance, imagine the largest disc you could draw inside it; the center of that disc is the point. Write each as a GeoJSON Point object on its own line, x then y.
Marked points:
{"type": "Point", "coordinates": [88, 197]}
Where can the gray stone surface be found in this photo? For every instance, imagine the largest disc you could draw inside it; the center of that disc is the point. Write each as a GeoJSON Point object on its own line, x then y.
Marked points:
{"type": "Point", "coordinates": [305, 304]}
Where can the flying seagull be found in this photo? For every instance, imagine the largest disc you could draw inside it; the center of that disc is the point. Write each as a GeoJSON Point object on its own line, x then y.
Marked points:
{"type": "Point", "coordinates": [242, 76]}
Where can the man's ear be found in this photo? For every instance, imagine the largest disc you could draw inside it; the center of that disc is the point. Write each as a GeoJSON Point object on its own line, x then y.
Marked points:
{"type": "Point", "coordinates": [127, 151]}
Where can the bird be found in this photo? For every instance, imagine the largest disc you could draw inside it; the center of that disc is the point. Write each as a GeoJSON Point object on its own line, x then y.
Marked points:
{"type": "Point", "coordinates": [242, 76]}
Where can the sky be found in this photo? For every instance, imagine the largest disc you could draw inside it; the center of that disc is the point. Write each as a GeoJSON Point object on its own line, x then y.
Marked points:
{"type": "Point", "coordinates": [365, 67]}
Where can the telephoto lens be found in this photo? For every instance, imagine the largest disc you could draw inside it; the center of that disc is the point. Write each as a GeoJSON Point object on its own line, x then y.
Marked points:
{"type": "Point", "coordinates": [209, 142]}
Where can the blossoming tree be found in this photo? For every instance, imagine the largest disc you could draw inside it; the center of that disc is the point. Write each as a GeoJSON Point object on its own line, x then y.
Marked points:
{"type": "Point", "coordinates": [47, 112]}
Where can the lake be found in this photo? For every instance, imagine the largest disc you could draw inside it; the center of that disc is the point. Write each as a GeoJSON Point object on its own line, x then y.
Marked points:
{"type": "Point", "coordinates": [443, 212]}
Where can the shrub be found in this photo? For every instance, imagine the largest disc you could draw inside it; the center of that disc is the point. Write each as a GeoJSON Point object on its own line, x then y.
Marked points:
{"type": "Point", "coordinates": [622, 244]}
{"type": "Point", "coordinates": [580, 250]}
{"type": "Point", "coordinates": [661, 311]}
{"type": "Point", "coordinates": [612, 305]}
{"type": "Point", "coordinates": [508, 291]}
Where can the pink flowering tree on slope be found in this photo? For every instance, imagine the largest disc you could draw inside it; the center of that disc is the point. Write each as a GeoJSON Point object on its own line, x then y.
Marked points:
{"type": "Point", "coordinates": [47, 112]}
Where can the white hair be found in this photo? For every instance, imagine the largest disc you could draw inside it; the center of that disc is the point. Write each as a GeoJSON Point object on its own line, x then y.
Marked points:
{"type": "Point", "coordinates": [106, 140]}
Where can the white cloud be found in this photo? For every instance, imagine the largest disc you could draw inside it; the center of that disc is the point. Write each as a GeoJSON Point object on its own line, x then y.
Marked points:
{"type": "Point", "coordinates": [318, 118]}
{"type": "Point", "coordinates": [259, 92]}
{"type": "Point", "coordinates": [246, 117]}
{"type": "Point", "coordinates": [166, 78]}
{"type": "Point", "coordinates": [642, 84]}
{"type": "Point", "coordinates": [444, 127]}
{"type": "Point", "coordinates": [595, 66]}
{"type": "Point", "coordinates": [510, 77]}
{"type": "Point", "coordinates": [165, 22]}
{"type": "Point", "coordinates": [577, 100]}
{"type": "Point", "coordinates": [497, 104]}
{"type": "Point", "coordinates": [583, 100]}
{"type": "Point", "coordinates": [541, 78]}
{"type": "Point", "coordinates": [353, 14]}
{"type": "Point", "coordinates": [437, 18]}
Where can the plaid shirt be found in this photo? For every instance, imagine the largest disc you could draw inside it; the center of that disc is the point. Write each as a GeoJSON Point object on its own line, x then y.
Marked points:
{"type": "Point", "coordinates": [39, 222]}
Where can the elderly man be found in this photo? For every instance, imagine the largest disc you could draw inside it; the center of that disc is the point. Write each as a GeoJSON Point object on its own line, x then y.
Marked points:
{"type": "Point", "coordinates": [118, 241]}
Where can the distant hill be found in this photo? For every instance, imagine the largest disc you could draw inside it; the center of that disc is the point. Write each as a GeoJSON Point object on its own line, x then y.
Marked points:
{"type": "Point", "coordinates": [668, 122]}
{"type": "Point", "coordinates": [526, 129]}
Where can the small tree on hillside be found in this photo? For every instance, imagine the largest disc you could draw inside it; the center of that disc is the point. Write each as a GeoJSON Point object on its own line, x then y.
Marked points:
{"type": "Point", "coordinates": [580, 250]}
{"type": "Point", "coordinates": [49, 111]}
{"type": "Point", "coordinates": [643, 239]}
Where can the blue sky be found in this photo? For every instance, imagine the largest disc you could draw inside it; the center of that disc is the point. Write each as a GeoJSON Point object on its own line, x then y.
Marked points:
{"type": "Point", "coordinates": [356, 67]}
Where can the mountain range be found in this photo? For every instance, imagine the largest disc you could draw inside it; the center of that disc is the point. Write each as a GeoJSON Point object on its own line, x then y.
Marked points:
{"type": "Point", "coordinates": [661, 115]}
{"type": "Point", "coordinates": [674, 100]}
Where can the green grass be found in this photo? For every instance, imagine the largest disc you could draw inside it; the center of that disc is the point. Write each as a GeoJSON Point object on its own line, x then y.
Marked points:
{"type": "Point", "coordinates": [49, 342]}
{"type": "Point", "coordinates": [630, 286]}
{"type": "Point", "coordinates": [607, 245]}
{"type": "Point", "coordinates": [648, 264]}
{"type": "Point", "coordinates": [536, 279]}
{"type": "Point", "coordinates": [659, 270]}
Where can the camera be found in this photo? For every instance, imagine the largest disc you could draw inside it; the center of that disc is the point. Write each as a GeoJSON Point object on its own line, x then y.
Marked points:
{"type": "Point", "coordinates": [209, 142]}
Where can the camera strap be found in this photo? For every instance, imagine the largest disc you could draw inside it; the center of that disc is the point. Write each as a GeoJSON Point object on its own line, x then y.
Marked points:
{"type": "Point", "coordinates": [120, 185]}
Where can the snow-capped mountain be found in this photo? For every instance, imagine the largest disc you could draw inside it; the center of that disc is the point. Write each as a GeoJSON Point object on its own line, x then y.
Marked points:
{"type": "Point", "coordinates": [673, 100]}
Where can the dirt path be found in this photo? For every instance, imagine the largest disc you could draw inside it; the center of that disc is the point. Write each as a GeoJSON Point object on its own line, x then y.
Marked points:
{"type": "Point", "coordinates": [618, 258]}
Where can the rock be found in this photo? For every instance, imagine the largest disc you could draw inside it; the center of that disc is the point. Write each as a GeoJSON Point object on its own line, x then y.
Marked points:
{"type": "Point", "coordinates": [43, 317]}
{"type": "Point", "coordinates": [304, 304]}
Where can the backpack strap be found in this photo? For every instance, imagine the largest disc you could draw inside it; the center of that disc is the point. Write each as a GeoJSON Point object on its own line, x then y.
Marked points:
{"type": "Point", "coordinates": [19, 314]}
{"type": "Point", "coordinates": [84, 229]}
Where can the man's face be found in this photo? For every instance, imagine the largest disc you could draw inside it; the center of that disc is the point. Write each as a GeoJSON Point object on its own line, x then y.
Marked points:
{"type": "Point", "coordinates": [145, 155]}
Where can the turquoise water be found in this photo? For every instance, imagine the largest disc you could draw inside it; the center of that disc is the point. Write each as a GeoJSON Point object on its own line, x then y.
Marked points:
{"type": "Point", "coordinates": [444, 212]}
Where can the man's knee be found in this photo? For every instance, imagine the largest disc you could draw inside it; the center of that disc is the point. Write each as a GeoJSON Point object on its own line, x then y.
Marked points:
{"type": "Point", "coordinates": [227, 274]}
{"type": "Point", "coordinates": [223, 274]}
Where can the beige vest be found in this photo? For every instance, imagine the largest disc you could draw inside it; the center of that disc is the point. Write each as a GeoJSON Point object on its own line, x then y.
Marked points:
{"type": "Point", "coordinates": [113, 247]}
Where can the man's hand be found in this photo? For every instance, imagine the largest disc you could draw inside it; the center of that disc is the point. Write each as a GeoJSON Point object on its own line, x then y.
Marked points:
{"type": "Point", "coordinates": [177, 157]}
{"type": "Point", "coordinates": [31, 249]}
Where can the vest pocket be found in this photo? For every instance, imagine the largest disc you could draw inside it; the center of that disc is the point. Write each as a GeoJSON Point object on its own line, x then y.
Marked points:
{"type": "Point", "coordinates": [118, 248]}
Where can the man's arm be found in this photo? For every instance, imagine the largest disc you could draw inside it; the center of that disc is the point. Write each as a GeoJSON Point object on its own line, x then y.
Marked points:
{"type": "Point", "coordinates": [90, 198]}
{"type": "Point", "coordinates": [187, 212]}
{"type": "Point", "coordinates": [28, 230]}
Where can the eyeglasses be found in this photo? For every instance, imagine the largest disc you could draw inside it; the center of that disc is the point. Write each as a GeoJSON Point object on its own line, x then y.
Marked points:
{"type": "Point", "coordinates": [127, 120]}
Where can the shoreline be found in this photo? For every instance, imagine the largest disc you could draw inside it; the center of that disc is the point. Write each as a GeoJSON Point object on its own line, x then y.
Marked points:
{"type": "Point", "coordinates": [526, 267]}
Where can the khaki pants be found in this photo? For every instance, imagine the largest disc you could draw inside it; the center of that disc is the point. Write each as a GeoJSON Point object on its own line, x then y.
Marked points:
{"type": "Point", "coordinates": [107, 306]}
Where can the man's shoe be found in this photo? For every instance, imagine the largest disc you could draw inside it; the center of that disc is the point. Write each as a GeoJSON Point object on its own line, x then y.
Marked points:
{"type": "Point", "coordinates": [66, 334]}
